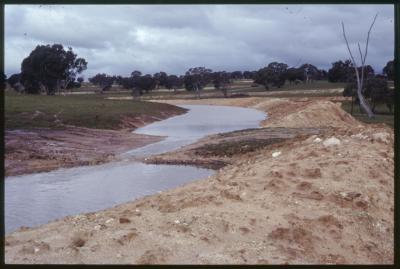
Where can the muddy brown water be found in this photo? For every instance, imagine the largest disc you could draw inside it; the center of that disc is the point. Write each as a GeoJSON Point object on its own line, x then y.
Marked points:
{"type": "Point", "coordinates": [35, 199]}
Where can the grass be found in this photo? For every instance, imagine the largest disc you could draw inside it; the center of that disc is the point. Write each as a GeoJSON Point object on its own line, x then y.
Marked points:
{"type": "Point", "coordinates": [90, 110]}
{"type": "Point", "coordinates": [231, 148]}
{"type": "Point", "coordinates": [382, 114]}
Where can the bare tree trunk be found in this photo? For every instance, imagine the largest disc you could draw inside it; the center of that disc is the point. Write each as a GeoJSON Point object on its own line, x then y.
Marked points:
{"type": "Point", "coordinates": [352, 102]}
{"type": "Point", "coordinates": [360, 80]}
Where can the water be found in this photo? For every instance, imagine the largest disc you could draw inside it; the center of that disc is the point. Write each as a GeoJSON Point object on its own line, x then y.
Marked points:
{"type": "Point", "coordinates": [35, 199]}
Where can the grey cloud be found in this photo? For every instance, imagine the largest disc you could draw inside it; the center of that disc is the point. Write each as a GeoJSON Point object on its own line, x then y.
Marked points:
{"type": "Point", "coordinates": [118, 39]}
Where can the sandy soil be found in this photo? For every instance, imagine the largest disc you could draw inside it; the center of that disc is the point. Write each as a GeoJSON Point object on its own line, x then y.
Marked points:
{"type": "Point", "coordinates": [40, 150]}
{"type": "Point", "coordinates": [323, 198]}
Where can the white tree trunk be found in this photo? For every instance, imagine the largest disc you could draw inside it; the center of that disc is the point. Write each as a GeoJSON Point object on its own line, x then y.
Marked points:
{"type": "Point", "coordinates": [360, 80]}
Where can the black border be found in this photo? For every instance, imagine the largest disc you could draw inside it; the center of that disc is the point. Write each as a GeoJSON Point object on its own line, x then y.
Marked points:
{"type": "Point", "coordinates": [396, 4]}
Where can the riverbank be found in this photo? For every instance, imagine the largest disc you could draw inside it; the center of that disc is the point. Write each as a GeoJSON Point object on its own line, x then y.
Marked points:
{"type": "Point", "coordinates": [317, 198]}
{"type": "Point", "coordinates": [44, 133]}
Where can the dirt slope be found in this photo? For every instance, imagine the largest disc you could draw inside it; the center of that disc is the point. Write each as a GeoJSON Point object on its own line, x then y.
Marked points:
{"type": "Point", "coordinates": [326, 198]}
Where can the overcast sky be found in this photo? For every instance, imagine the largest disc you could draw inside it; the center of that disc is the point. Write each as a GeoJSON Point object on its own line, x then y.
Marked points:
{"type": "Point", "coordinates": [117, 39]}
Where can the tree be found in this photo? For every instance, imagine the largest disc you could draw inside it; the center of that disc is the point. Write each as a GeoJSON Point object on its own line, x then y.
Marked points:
{"type": "Point", "coordinates": [248, 74]}
{"type": "Point", "coordinates": [221, 81]}
{"type": "Point", "coordinates": [375, 89]}
{"type": "Point", "coordinates": [160, 78]}
{"type": "Point", "coordinates": [341, 71]}
{"type": "Point", "coordinates": [104, 81]}
{"type": "Point", "coordinates": [310, 72]}
{"type": "Point", "coordinates": [360, 78]}
{"type": "Point", "coordinates": [50, 67]}
{"type": "Point", "coordinates": [3, 79]}
{"type": "Point", "coordinates": [80, 80]}
{"type": "Point", "coordinates": [236, 75]}
{"type": "Point", "coordinates": [388, 70]}
{"type": "Point", "coordinates": [146, 83]}
{"type": "Point", "coordinates": [294, 74]}
{"type": "Point", "coordinates": [173, 82]}
{"type": "Point", "coordinates": [274, 74]}
{"type": "Point", "coordinates": [196, 79]}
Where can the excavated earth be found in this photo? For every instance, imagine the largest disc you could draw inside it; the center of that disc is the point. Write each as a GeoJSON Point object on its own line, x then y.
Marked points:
{"type": "Point", "coordinates": [42, 149]}
{"type": "Point", "coordinates": [313, 186]}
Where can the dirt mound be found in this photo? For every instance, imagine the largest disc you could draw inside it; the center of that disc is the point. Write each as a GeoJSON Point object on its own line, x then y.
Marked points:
{"type": "Point", "coordinates": [316, 114]}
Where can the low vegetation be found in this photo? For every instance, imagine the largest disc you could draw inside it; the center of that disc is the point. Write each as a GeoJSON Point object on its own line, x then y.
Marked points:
{"type": "Point", "coordinates": [91, 111]}
{"type": "Point", "coordinates": [382, 115]}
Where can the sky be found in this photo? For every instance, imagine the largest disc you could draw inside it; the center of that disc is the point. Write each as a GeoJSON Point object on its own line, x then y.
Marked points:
{"type": "Point", "coordinates": [117, 39]}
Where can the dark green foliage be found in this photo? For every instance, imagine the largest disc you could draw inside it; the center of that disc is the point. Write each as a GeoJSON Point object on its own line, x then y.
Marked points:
{"type": "Point", "coordinates": [3, 79]}
{"type": "Point", "coordinates": [104, 81]}
{"type": "Point", "coordinates": [375, 90]}
{"type": "Point", "coordinates": [274, 74]}
{"type": "Point", "coordinates": [173, 82]}
{"type": "Point", "coordinates": [47, 66]}
{"type": "Point", "coordinates": [388, 70]}
{"type": "Point", "coordinates": [146, 83]}
{"type": "Point", "coordinates": [341, 72]}
{"type": "Point", "coordinates": [197, 78]}
{"type": "Point", "coordinates": [161, 79]}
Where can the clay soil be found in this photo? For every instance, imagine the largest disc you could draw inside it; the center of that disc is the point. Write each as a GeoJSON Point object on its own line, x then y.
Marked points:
{"type": "Point", "coordinates": [44, 149]}
{"type": "Point", "coordinates": [323, 194]}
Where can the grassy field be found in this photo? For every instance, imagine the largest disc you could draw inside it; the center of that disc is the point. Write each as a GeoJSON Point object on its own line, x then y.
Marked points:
{"type": "Point", "coordinates": [91, 110]}
{"type": "Point", "coordinates": [382, 115]}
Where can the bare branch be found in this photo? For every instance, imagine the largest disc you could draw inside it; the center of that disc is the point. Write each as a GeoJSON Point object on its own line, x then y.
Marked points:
{"type": "Point", "coordinates": [362, 66]}
{"type": "Point", "coordinates": [359, 50]}
{"type": "Point", "coordinates": [369, 31]}
{"type": "Point", "coordinates": [347, 43]}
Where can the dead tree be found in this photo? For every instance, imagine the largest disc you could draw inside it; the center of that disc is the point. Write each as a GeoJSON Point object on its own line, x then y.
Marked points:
{"type": "Point", "coordinates": [360, 78]}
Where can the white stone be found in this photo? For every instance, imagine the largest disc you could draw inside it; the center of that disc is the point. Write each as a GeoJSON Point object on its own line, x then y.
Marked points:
{"type": "Point", "coordinates": [109, 220]}
{"type": "Point", "coordinates": [177, 221]}
{"type": "Point", "coordinates": [276, 154]}
{"type": "Point", "coordinates": [331, 142]}
{"type": "Point", "coordinates": [317, 140]}
{"type": "Point", "coordinates": [381, 137]}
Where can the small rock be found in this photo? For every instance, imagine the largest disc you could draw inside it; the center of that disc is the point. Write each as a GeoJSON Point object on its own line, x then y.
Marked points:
{"type": "Point", "coordinates": [381, 137]}
{"type": "Point", "coordinates": [109, 220]}
{"type": "Point", "coordinates": [317, 140]}
{"type": "Point", "coordinates": [177, 222]}
{"type": "Point", "coordinates": [331, 142]}
{"type": "Point", "coordinates": [276, 154]}
{"type": "Point", "coordinates": [124, 220]}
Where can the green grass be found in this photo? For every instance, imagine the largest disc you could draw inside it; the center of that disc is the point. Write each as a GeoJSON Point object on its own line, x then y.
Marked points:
{"type": "Point", "coordinates": [89, 110]}
{"type": "Point", "coordinates": [382, 114]}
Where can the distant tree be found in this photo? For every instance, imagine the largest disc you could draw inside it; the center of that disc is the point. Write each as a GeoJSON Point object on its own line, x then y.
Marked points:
{"type": "Point", "coordinates": [50, 67]}
{"type": "Point", "coordinates": [173, 82]}
{"type": "Point", "coordinates": [136, 73]}
{"type": "Point", "coordinates": [13, 79]}
{"type": "Point", "coordinates": [248, 74]}
{"type": "Point", "coordinates": [80, 80]}
{"type": "Point", "coordinates": [310, 72]}
{"type": "Point", "coordinates": [146, 83]}
{"type": "Point", "coordinates": [236, 75]}
{"type": "Point", "coordinates": [323, 74]}
{"type": "Point", "coordinates": [196, 79]}
{"type": "Point", "coordinates": [341, 72]}
{"type": "Point", "coordinates": [104, 81]}
{"type": "Point", "coordinates": [294, 74]}
{"type": "Point", "coordinates": [375, 90]}
{"type": "Point", "coordinates": [388, 70]}
{"type": "Point", "coordinates": [3, 79]}
{"type": "Point", "coordinates": [221, 81]}
{"type": "Point", "coordinates": [274, 74]}
{"type": "Point", "coordinates": [161, 79]}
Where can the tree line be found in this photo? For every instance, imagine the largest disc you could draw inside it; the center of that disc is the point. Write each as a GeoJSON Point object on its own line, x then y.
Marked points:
{"type": "Point", "coordinates": [50, 69]}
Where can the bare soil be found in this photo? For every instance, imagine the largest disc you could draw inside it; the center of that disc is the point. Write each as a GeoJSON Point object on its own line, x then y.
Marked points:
{"type": "Point", "coordinates": [323, 197]}
{"type": "Point", "coordinates": [43, 149]}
